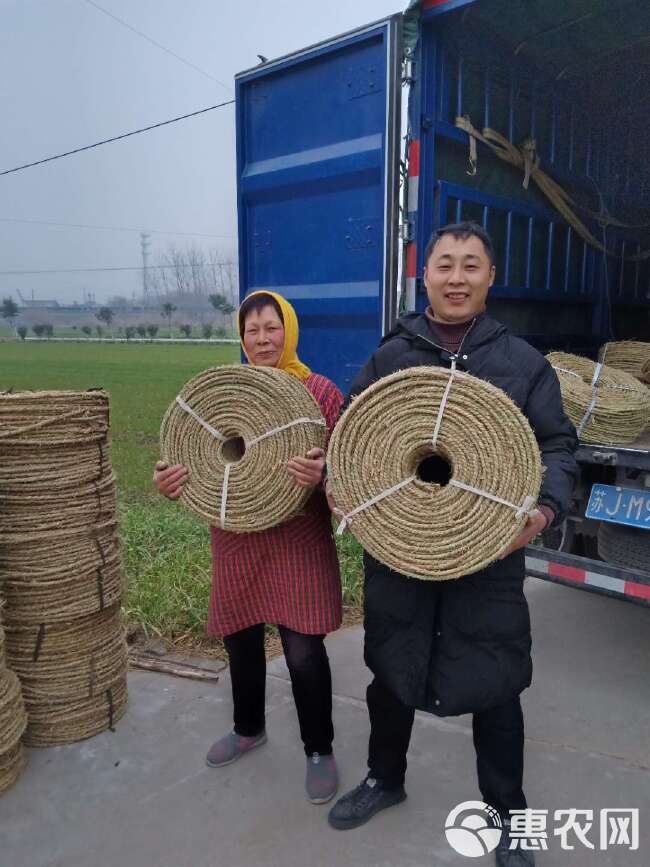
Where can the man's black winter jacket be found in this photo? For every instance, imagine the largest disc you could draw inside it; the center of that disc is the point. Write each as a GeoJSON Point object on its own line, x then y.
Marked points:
{"type": "Point", "coordinates": [462, 646]}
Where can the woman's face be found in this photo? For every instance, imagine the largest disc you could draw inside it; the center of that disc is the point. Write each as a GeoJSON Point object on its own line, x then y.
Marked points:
{"type": "Point", "coordinates": [264, 336]}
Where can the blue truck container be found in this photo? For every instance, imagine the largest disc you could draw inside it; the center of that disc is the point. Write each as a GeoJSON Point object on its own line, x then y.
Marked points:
{"type": "Point", "coordinates": [337, 198]}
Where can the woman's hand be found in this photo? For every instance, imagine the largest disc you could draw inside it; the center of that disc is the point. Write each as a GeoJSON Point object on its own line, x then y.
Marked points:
{"type": "Point", "coordinates": [308, 471]}
{"type": "Point", "coordinates": [170, 480]}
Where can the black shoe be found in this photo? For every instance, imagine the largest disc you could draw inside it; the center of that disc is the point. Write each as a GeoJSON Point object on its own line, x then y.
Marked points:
{"type": "Point", "coordinates": [507, 857]}
{"type": "Point", "coordinates": [362, 803]}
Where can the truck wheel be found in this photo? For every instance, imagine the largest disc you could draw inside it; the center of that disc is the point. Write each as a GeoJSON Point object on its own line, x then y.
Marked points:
{"type": "Point", "coordinates": [624, 546]}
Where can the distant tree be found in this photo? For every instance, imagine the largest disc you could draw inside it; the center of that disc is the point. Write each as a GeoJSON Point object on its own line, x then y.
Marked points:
{"type": "Point", "coordinates": [48, 329]}
{"type": "Point", "coordinates": [222, 304]}
{"type": "Point", "coordinates": [120, 330]}
{"type": "Point", "coordinates": [207, 330]}
{"type": "Point", "coordinates": [38, 330]}
{"type": "Point", "coordinates": [129, 332]}
{"type": "Point", "coordinates": [152, 330]}
{"type": "Point", "coordinates": [21, 331]}
{"type": "Point", "coordinates": [9, 311]}
{"type": "Point", "coordinates": [87, 330]}
{"type": "Point", "coordinates": [99, 330]}
{"type": "Point", "coordinates": [186, 329]}
{"type": "Point", "coordinates": [105, 315]}
{"type": "Point", "coordinates": [167, 311]}
{"type": "Point", "coordinates": [142, 330]}
{"type": "Point", "coordinates": [220, 331]}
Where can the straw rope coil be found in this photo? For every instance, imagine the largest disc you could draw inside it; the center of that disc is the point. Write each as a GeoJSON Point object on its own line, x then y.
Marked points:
{"type": "Point", "coordinates": [627, 355]}
{"type": "Point", "coordinates": [34, 512]}
{"type": "Point", "coordinates": [607, 406]}
{"type": "Point", "coordinates": [52, 418]}
{"type": "Point", "coordinates": [51, 725]}
{"type": "Point", "coordinates": [419, 528]}
{"type": "Point", "coordinates": [64, 662]}
{"type": "Point", "coordinates": [52, 467]}
{"type": "Point", "coordinates": [12, 763]}
{"type": "Point", "coordinates": [264, 413]}
{"type": "Point", "coordinates": [13, 721]}
{"type": "Point", "coordinates": [645, 373]}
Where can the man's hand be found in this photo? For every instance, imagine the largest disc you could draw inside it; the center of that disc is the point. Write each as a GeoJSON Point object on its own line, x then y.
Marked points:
{"type": "Point", "coordinates": [534, 525]}
{"type": "Point", "coordinates": [338, 514]}
{"type": "Point", "coordinates": [170, 480]}
{"type": "Point", "coordinates": [308, 471]}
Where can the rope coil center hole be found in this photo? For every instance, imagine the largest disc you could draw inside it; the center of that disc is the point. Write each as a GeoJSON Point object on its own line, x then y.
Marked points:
{"type": "Point", "coordinates": [434, 469]}
{"type": "Point", "coordinates": [233, 449]}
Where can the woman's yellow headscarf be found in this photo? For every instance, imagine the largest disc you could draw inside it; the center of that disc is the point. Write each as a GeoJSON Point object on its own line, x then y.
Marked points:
{"type": "Point", "coordinates": [289, 361]}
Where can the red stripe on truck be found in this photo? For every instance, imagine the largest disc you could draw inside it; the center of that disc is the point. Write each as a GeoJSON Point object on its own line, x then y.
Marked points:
{"type": "Point", "coordinates": [414, 158]}
{"type": "Point", "coordinates": [642, 591]}
{"type": "Point", "coordinates": [411, 260]}
{"type": "Point", "coordinates": [568, 572]}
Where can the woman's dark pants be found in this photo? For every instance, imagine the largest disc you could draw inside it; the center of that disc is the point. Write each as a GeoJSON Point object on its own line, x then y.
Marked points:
{"type": "Point", "coordinates": [311, 682]}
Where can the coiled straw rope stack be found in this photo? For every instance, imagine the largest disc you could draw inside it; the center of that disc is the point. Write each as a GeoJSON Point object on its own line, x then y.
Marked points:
{"type": "Point", "coordinates": [435, 471]}
{"type": "Point", "coordinates": [607, 406]}
{"type": "Point", "coordinates": [60, 566]}
{"type": "Point", "coordinates": [235, 428]}
{"type": "Point", "coordinates": [628, 355]}
{"type": "Point", "coordinates": [12, 722]}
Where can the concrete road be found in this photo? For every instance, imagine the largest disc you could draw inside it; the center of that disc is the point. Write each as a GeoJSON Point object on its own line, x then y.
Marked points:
{"type": "Point", "coordinates": [142, 797]}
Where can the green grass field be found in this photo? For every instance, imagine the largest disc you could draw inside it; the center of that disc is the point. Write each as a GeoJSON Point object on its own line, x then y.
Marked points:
{"type": "Point", "coordinates": [166, 550]}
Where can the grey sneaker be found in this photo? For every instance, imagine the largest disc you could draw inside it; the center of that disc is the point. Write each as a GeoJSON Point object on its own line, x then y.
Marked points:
{"type": "Point", "coordinates": [232, 747]}
{"type": "Point", "coordinates": [322, 779]}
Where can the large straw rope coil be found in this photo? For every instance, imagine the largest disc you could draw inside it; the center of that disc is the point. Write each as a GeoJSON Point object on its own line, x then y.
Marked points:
{"type": "Point", "coordinates": [424, 529]}
{"type": "Point", "coordinates": [66, 662]}
{"type": "Point", "coordinates": [52, 467]}
{"type": "Point", "coordinates": [52, 418]}
{"type": "Point", "coordinates": [54, 724]}
{"type": "Point", "coordinates": [608, 406]}
{"type": "Point", "coordinates": [645, 373]}
{"type": "Point", "coordinates": [627, 355]}
{"type": "Point", "coordinates": [63, 575]}
{"type": "Point", "coordinates": [26, 512]}
{"type": "Point", "coordinates": [235, 428]}
{"type": "Point", "coordinates": [13, 721]}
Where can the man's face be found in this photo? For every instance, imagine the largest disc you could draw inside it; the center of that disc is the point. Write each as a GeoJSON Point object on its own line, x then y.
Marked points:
{"type": "Point", "coordinates": [458, 276]}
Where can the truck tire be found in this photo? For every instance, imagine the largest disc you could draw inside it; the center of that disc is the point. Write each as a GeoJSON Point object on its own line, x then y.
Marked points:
{"type": "Point", "coordinates": [624, 546]}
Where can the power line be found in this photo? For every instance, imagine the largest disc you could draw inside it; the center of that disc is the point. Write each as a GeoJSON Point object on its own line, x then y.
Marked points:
{"type": "Point", "coordinates": [107, 268]}
{"type": "Point", "coordinates": [157, 44]}
{"type": "Point", "coordinates": [116, 138]}
{"type": "Point", "coordinates": [111, 228]}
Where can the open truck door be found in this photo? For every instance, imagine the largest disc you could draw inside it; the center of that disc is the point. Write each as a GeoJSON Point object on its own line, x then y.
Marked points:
{"type": "Point", "coordinates": [318, 136]}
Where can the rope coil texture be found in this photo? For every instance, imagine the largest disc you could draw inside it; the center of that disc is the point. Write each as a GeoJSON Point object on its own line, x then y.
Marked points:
{"type": "Point", "coordinates": [420, 528]}
{"type": "Point", "coordinates": [60, 563]}
{"type": "Point", "coordinates": [633, 356]}
{"type": "Point", "coordinates": [608, 406]}
{"type": "Point", "coordinates": [13, 721]}
{"type": "Point", "coordinates": [235, 428]}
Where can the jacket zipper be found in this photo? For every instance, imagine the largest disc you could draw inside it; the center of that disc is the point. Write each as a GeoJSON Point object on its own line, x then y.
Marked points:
{"type": "Point", "coordinates": [453, 357]}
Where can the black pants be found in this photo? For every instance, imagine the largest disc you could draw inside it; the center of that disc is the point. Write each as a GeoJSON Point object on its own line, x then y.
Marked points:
{"type": "Point", "coordinates": [311, 682]}
{"type": "Point", "coordinates": [498, 739]}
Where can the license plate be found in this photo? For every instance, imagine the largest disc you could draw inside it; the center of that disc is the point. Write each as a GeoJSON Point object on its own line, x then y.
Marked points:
{"type": "Point", "coordinates": [629, 506]}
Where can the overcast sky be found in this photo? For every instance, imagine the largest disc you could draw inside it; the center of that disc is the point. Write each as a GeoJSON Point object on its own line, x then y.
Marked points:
{"type": "Point", "coordinates": [70, 75]}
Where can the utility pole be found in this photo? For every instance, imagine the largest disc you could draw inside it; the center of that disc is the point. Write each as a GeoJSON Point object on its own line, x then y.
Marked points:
{"type": "Point", "coordinates": [145, 245]}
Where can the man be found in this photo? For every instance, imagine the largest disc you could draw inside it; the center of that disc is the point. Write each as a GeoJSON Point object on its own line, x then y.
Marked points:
{"type": "Point", "coordinates": [462, 646]}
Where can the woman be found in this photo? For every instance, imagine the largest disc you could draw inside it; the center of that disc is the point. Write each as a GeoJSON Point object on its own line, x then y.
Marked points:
{"type": "Point", "coordinates": [287, 575]}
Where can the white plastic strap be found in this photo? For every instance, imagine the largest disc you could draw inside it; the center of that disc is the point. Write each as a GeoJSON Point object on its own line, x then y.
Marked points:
{"type": "Point", "coordinates": [524, 509]}
{"type": "Point", "coordinates": [564, 370]}
{"type": "Point", "coordinates": [443, 403]}
{"type": "Point", "coordinates": [270, 433]}
{"type": "Point", "coordinates": [204, 424]}
{"type": "Point", "coordinates": [594, 395]}
{"type": "Point", "coordinates": [224, 497]}
{"type": "Point", "coordinates": [371, 502]}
